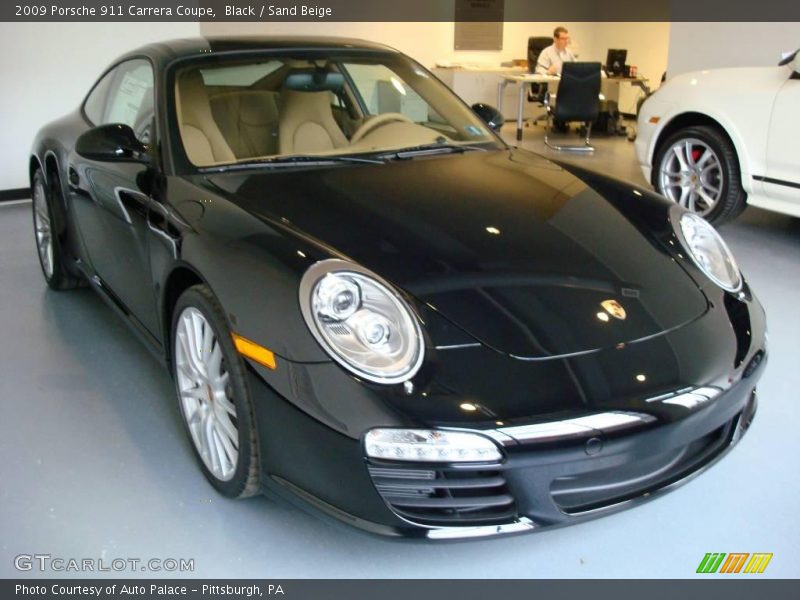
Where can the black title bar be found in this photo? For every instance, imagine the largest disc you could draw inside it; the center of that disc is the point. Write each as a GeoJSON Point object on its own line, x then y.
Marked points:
{"type": "Point", "coordinates": [568, 11]}
{"type": "Point", "coordinates": [382, 589]}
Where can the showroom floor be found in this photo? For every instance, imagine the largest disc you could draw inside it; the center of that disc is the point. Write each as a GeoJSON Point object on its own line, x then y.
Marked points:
{"type": "Point", "coordinates": [95, 463]}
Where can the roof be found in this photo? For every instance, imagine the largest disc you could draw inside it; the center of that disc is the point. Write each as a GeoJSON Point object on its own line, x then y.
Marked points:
{"type": "Point", "coordinates": [181, 48]}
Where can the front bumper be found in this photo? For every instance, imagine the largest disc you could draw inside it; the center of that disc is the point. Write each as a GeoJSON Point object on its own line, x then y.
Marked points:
{"type": "Point", "coordinates": [535, 486]}
{"type": "Point", "coordinates": [647, 132]}
{"type": "Point", "coordinates": [311, 421]}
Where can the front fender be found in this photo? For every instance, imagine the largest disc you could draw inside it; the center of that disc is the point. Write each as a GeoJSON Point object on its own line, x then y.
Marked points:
{"type": "Point", "coordinates": [751, 153]}
{"type": "Point", "coordinates": [739, 101]}
{"type": "Point", "coordinates": [254, 269]}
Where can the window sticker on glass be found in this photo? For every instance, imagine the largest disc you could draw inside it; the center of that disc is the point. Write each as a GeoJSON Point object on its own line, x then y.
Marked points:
{"type": "Point", "coordinates": [128, 99]}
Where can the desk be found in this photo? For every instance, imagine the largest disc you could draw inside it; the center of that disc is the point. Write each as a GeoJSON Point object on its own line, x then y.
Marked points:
{"type": "Point", "coordinates": [530, 78]}
{"type": "Point", "coordinates": [522, 81]}
{"type": "Point", "coordinates": [474, 84]}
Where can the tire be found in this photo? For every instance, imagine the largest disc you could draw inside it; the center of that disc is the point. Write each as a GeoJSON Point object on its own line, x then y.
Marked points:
{"type": "Point", "coordinates": [697, 167]}
{"type": "Point", "coordinates": [52, 259]}
{"type": "Point", "coordinates": [213, 397]}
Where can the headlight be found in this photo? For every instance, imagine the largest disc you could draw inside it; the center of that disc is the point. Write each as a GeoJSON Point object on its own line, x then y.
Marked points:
{"type": "Point", "coordinates": [709, 252]}
{"type": "Point", "coordinates": [361, 321]}
{"type": "Point", "coordinates": [429, 445]}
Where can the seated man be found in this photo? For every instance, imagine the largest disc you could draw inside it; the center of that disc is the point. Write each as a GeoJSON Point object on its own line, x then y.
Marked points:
{"type": "Point", "coordinates": [552, 57]}
{"type": "Point", "coordinates": [551, 60]}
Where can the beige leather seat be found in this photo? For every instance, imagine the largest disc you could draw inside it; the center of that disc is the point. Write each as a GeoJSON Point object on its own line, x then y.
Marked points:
{"type": "Point", "coordinates": [307, 124]}
{"type": "Point", "coordinates": [202, 139]}
{"type": "Point", "coordinates": [248, 121]}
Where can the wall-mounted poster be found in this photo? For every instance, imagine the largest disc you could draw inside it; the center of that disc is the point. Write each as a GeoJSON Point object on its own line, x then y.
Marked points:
{"type": "Point", "coordinates": [479, 24]}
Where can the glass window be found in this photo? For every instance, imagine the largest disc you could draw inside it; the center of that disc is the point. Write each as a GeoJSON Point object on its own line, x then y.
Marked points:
{"type": "Point", "coordinates": [125, 95]}
{"type": "Point", "coordinates": [130, 100]}
{"type": "Point", "coordinates": [384, 91]}
{"type": "Point", "coordinates": [96, 102]}
{"type": "Point", "coordinates": [239, 75]}
{"type": "Point", "coordinates": [233, 109]}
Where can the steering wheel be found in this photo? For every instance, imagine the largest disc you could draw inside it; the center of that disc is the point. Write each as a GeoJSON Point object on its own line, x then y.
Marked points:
{"type": "Point", "coordinates": [377, 121]}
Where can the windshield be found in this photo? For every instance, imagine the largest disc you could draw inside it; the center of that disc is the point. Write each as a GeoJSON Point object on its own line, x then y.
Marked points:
{"type": "Point", "coordinates": [267, 108]}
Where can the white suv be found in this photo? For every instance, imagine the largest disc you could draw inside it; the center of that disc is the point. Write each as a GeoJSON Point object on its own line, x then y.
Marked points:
{"type": "Point", "coordinates": [716, 140]}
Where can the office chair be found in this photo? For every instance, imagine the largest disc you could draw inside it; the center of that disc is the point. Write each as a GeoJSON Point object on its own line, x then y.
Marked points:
{"type": "Point", "coordinates": [535, 47]}
{"type": "Point", "coordinates": [577, 100]}
{"type": "Point", "coordinates": [537, 91]}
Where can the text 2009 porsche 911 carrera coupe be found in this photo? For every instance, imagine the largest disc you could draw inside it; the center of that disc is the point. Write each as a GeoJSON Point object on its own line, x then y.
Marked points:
{"type": "Point", "coordinates": [368, 301]}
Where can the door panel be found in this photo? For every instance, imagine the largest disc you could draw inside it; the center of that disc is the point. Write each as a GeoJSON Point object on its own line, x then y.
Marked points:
{"type": "Point", "coordinates": [783, 145]}
{"type": "Point", "coordinates": [110, 205]}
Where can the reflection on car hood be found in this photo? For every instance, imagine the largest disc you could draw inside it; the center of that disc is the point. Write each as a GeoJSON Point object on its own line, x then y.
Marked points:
{"type": "Point", "coordinates": [527, 258]}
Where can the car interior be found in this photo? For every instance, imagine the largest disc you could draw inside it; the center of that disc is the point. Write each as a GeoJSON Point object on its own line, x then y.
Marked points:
{"type": "Point", "coordinates": [241, 112]}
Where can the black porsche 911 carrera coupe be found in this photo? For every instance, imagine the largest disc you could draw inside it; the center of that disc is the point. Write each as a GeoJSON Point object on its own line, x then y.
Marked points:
{"type": "Point", "coordinates": [368, 301]}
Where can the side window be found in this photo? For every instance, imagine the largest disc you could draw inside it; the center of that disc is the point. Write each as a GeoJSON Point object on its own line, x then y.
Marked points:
{"type": "Point", "coordinates": [96, 102]}
{"type": "Point", "coordinates": [130, 98]}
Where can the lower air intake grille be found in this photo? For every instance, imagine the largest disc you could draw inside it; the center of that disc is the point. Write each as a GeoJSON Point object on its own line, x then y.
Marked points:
{"type": "Point", "coordinates": [445, 496]}
{"type": "Point", "coordinates": [598, 489]}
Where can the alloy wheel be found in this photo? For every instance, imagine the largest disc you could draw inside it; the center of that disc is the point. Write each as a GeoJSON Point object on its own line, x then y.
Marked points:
{"type": "Point", "coordinates": [44, 232]}
{"type": "Point", "coordinates": [205, 394]}
{"type": "Point", "coordinates": [691, 174]}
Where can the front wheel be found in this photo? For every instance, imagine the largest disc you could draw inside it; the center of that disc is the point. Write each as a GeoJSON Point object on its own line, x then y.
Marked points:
{"type": "Point", "coordinates": [697, 167]}
{"type": "Point", "coordinates": [213, 395]}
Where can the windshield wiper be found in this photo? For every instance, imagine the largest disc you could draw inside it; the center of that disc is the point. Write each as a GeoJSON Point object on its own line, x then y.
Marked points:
{"type": "Point", "coordinates": [291, 161]}
{"type": "Point", "coordinates": [432, 148]}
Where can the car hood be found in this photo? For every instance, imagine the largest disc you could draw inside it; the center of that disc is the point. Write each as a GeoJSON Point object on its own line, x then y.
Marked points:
{"type": "Point", "coordinates": [519, 253]}
{"type": "Point", "coordinates": [719, 94]}
{"type": "Point", "coordinates": [729, 80]}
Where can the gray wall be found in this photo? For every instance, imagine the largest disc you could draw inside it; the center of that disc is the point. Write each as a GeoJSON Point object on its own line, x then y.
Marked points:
{"type": "Point", "coordinates": [47, 69]}
{"type": "Point", "coordinates": [694, 46]}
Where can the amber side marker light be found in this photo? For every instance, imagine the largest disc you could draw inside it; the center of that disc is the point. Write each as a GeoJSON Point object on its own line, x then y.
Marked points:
{"type": "Point", "coordinates": [252, 350]}
{"type": "Point", "coordinates": [654, 120]}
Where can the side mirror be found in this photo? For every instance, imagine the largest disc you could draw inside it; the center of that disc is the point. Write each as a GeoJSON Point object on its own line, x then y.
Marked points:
{"type": "Point", "coordinates": [114, 142]}
{"type": "Point", "coordinates": [793, 60]}
{"type": "Point", "coordinates": [489, 115]}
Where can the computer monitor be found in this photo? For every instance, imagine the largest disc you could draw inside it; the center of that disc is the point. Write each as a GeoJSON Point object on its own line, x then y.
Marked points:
{"type": "Point", "coordinates": [615, 61]}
